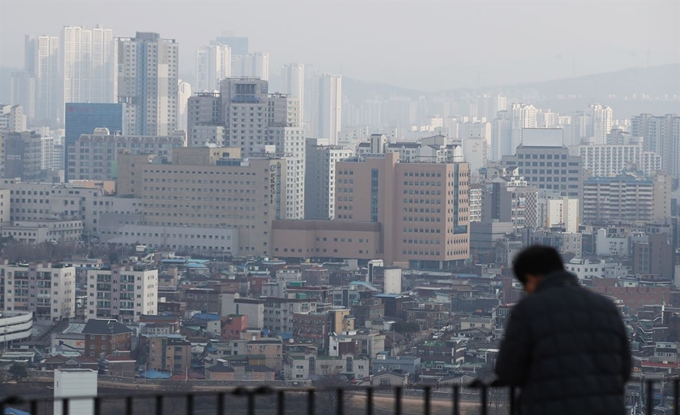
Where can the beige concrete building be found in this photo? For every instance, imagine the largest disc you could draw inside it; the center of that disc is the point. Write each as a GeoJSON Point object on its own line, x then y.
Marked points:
{"type": "Point", "coordinates": [44, 231]}
{"type": "Point", "coordinates": [409, 213]}
{"type": "Point", "coordinates": [124, 292]}
{"type": "Point", "coordinates": [626, 198]}
{"type": "Point", "coordinates": [48, 290]}
{"type": "Point", "coordinates": [209, 188]}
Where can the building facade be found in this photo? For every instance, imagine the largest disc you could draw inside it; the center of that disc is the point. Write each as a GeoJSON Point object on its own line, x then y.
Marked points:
{"type": "Point", "coordinates": [148, 83]}
{"type": "Point", "coordinates": [47, 290]}
{"type": "Point", "coordinates": [222, 191]}
{"type": "Point", "coordinates": [94, 156]}
{"type": "Point", "coordinates": [123, 292]}
{"type": "Point", "coordinates": [412, 213]}
{"type": "Point", "coordinates": [626, 198]}
{"type": "Point", "coordinates": [320, 177]}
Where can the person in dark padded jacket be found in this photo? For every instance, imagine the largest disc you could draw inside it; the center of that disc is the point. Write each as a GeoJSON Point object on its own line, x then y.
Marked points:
{"type": "Point", "coordinates": [565, 347]}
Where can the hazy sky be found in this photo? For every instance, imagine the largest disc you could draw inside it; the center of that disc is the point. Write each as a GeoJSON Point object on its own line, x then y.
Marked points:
{"type": "Point", "coordinates": [416, 44]}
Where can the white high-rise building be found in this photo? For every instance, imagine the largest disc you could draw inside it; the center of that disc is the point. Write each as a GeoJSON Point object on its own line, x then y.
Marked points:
{"type": "Point", "coordinates": [183, 95]}
{"type": "Point", "coordinates": [612, 160]}
{"type": "Point", "coordinates": [259, 122]}
{"type": "Point", "coordinates": [522, 116]}
{"type": "Point", "coordinates": [42, 64]}
{"type": "Point", "coordinates": [213, 63]}
{"type": "Point", "coordinates": [148, 83]}
{"type": "Point", "coordinates": [294, 84]}
{"type": "Point", "coordinates": [330, 107]}
{"type": "Point", "coordinates": [88, 64]}
{"type": "Point", "coordinates": [47, 152]}
{"type": "Point", "coordinates": [602, 119]}
{"type": "Point", "coordinates": [12, 118]}
{"type": "Point", "coordinates": [252, 65]}
{"type": "Point", "coordinates": [320, 177]}
{"type": "Point", "coordinates": [661, 135]}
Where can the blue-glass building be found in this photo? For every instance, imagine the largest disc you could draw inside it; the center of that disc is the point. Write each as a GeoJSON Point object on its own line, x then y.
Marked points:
{"type": "Point", "coordinates": [83, 118]}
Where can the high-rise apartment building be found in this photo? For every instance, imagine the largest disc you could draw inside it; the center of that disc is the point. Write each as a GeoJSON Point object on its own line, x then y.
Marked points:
{"type": "Point", "coordinates": [612, 160]}
{"type": "Point", "coordinates": [237, 44]}
{"type": "Point", "coordinates": [148, 83]}
{"type": "Point", "coordinates": [626, 198]}
{"type": "Point", "coordinates": [523, 116]}
{"type": "Point", "coordinates": [252, 65]}
{"type": "Point", "coordinates": [12, 119]}
{"type": "Point", "coordinates": [42, 63]}
{"type": "Point", "coordinates": [95, 156]}
{"type": "Point", "coordinates": [501, 129]}
{"type": "Point", "coordinates": [204, 120]}
{"type": "Point", "coordinates": [183, 95]}
{"type": "Point", "coordinates": [320, 159]}
{"type": "Point", "coordinates": [330, 107]}
{"type": "Point", "coordinates": [602, 120]}
{"type": "Point", "coordinates": [255, 121]}
{"type": "Point", "coordinates": [661, 135]}
{"type": "Point", "coordinates": [414, 214]}
{"type": "Point", "coordinates": [294, 85]}
{"type": "Point", "coordinates": [544, 161]}
{"type": "Point", "coordinates": [48, 290]}
{"type": "Point", "coordinates": [123, 292]}
{"type": "Point", "coordinates": [88, 65]}
{"type": "Point", "coordinates": [210, 188]}
{"type": "Point", "coordinates": [213, 63]}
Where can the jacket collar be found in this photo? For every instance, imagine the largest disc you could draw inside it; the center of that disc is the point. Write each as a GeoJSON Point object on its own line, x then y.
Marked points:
{"type": "Point", "coordinates": [555, 279]}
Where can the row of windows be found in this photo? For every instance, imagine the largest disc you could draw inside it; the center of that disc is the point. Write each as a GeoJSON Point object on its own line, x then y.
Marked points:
{"type": "Point", "coordinates": [542, 156]}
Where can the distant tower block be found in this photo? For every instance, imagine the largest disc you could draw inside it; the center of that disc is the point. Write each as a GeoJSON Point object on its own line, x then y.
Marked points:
{"type": "Point", "coordinates": [75, 383]}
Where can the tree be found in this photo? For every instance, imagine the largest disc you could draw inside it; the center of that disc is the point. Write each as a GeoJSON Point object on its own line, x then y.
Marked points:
{"type": "Point", "coordinates": [18, 371]}
{"type": "Point", "coordinates": [326, 399]}
{"type": "Point", "coordinates": [403, 327]}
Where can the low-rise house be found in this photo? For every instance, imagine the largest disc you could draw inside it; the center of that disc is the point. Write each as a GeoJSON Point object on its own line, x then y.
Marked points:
{"type": "Point", "coordinates": [391, 378]}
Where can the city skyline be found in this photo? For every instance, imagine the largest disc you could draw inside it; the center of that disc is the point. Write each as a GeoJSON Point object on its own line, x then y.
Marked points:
{"type": "Point", "coordinates": [376, 34]}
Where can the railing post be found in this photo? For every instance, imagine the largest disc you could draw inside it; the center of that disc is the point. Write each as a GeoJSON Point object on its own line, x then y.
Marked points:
{"type": "Point", "coordinates": [64, 406]}
{"type": "Point", "coordinates": [34, 407]}
{"type": "Point", "coordinates": [483, 390]}
{"type": "Point", "coordinates": [650, 398]}
{"type": "Point", "coordinates": [369, 401]}
{"type": "Point", "coordinates": [676, 396]}
{"type": "Point", "coordinates": [159, 404]}
{"type": "Point", "coordinates": [310, 402]}
{"type": "Point", "coordinates": [128, 405]}
{"type": "Point", "coordinates": [340, 397]}
{"type": "Point", "coordinates": [513, 410]}
{"type": "Point", "coordinates": [97, 407]}
{"type": "Point", "coordinates": [281, 403]}
{"type": "Point", "coordinates": [426, 392]}
{"type": "Point", "coordinates": [456, 399]}
{"type": "Point", "coordinates": [220, 403]}
{"type": "Point", "coordinates": [251, 403]}
{"type": "Point", "coordinates": [397, 400]}
{"type": "Point", "coordinates": [190, 404]}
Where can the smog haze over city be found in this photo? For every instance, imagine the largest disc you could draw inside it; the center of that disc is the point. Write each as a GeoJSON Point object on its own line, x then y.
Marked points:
{"type": "Point", "coordinates": [331, 199]}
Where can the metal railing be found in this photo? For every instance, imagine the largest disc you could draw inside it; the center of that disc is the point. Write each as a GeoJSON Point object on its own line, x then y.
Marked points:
{"type": "Point", "coordinates": [346, 400]}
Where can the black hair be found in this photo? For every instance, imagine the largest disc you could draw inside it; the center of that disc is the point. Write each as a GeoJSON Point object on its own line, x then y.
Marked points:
{"type": "Point", "coordinates": [536, 260]}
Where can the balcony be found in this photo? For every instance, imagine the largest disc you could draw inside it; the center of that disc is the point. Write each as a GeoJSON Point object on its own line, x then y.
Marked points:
{"type": "Point", "coordinates": [651, 397]}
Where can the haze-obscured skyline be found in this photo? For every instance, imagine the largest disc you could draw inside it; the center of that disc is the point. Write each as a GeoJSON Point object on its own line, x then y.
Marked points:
{"type": "Point", "coordinates": [419, 45]}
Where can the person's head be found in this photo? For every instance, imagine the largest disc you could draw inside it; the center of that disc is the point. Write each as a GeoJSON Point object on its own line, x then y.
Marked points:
{"type": "Point", "coordinates": [535, 262]}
